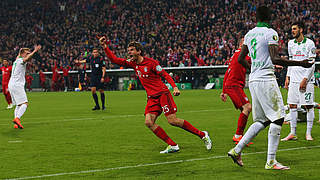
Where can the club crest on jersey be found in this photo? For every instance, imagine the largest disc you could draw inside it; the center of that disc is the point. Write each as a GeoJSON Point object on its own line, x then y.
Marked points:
{"type": "Point", "coordinates": [313, 50]}
{"type": "Point", "coordinates": [159, 68]}
{"type": "Point", "coordinates": [145, 69]}
{"type": "Point", "coordinates": [275, 37]}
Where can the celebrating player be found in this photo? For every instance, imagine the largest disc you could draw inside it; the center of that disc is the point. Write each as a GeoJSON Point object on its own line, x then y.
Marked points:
{"type": "Point", "coordinates": [268, 109]}
{"type": "Point", "coordinates": [233, 84]}
{"type": "Point", "coordinates": [300, 80]}
{"type": "Point", "coordinates": [159, 97]}
{"type": "Point", "coordinates": [6, 73]}
{"type": "Point", "coordinates": [98, 68]}
{"type": "Point", "coordinates": [17, 83]}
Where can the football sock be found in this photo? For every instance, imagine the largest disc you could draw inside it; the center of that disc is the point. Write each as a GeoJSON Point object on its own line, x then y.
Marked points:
{"type": "Point", "coordinates": [95, 97]}
{"type": "Point", "coordinates": [16, 110]}
{"type": "Point", "coordinates": [163, 135]}
{"type": "Point", "coordinates": [293, 122]}
{"type": "Point", "coordinates": [242, 122]}
{"type": "Point", "coordinates": [21, 110]}
{"type": "Point", "coordinates": [252, 132]}
{"type": "Point", "coordinates": [188, 127]}
{"type": "Point", "coordinates": [310, 118]}
{"type": "Point", "coordinates": [273, 141]}
{"type": "Point", "coordinates": [102, 99]}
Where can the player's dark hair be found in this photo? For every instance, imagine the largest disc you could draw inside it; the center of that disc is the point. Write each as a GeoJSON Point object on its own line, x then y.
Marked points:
{"type": "Point", "coordinates": [137, 45]}
{"type": "Point", "coordinates": [300, 24]}
{"type": "Point", "coordinates": [95, 49]}
{"type": "Point", "coordinates": [263, 14]}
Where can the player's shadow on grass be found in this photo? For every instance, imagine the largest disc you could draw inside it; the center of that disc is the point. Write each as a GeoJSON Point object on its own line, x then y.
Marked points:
{"type": "Point", "coordinates": [12, 132]}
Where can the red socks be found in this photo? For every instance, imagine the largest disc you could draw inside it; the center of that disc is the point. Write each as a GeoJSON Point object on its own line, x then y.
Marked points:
{"type": "Point", "coordinates": [242, 122]}
{"type": "Point", "coordinates": [163, 135]}
{"type": "Point", "coordinates": [188, 127]}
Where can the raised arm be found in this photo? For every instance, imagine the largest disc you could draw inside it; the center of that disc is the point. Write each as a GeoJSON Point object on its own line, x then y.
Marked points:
{"type": "Point", "coordinates": [113, 58]}
{"type": "Point", "coordinates": [28, 57]}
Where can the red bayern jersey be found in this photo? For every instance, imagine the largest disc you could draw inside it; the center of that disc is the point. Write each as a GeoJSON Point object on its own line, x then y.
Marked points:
{"type": "Point", "coordinates": [6, 74]}
{"type": "Point", "coordinates": [149, 72]}
{"type": "Point", "coordinates": [236, 73]}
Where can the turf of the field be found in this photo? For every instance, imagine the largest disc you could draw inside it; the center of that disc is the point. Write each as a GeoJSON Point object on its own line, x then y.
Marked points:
{"type": "Point", "coordinates": [64, 139]}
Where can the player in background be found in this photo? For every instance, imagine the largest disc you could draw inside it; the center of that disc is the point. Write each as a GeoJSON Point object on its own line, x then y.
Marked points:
{"type": "Point", "coordinates": [55, 77]}
{"type": "Point", "coordinates": [82, 77]}
{"type": "Point", "coordinates": [159, 97]}
{"type": "Point", "coordinates": [261, 43]}
{"type": "Point", "coordinates": [98, 68]}
{"type": "Point", "coordinates": [17, 83]}
{"type": "Point", "coordinates": [6, 73]}
{"type": "Point", "coordinates": [29, 80]}
{"type": "Point", "coordinates": [65, 70]}
{"type": "Point", "coordinates": [42, 79]}
{"type": "Point", "coordinates": [299, 80]}
{"type": "Point", "coordinates": [233, 84]}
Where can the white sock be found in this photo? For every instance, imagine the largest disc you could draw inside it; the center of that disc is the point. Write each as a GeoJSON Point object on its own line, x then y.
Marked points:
{"type": "Point", "coordinates": [16, 110]}
{"type": "Point", "coordinates": [21, 110]}
{"type": "Point", "coordinates": [293, 122]}
{"type": "Point", "coordinates": [319, 114]}
{"type": "Point", "coordinates": [273, 141]}
{"type": "Point", "coordinates": [310, 118]}
{"type": "Point", "coordinates": [252, 132]}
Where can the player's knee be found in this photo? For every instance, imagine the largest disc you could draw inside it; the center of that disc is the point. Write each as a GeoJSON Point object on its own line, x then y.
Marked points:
{"type": "Point", "coordinates": [149, 123]}
{"type": "Point", "coordinates": [247, 108]}
{"type": "Point", "coordinates": [274, 129]}
{"type": "Point", "coordinates": [173, 120]}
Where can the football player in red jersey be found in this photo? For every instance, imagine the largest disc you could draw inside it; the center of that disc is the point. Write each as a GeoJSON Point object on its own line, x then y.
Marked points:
{"type": "Point", "coordinates": [159, 97]}
{"type": "Point", "coordinates": [233, 84]}
{"type": "Point", "coordinates": [6, 73]}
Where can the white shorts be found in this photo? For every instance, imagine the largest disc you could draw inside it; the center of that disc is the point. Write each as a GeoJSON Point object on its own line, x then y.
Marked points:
{"type": "Point", "coordinates": [297, 97]}
{"type": "Point", "coordinates": [18, 94]}
{"type": "Point", "coordinates": [267, 103]}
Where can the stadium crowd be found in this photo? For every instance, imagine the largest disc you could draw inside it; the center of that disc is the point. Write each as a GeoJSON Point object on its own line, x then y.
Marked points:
{"type": "Point", "coordinates": [177, 33]}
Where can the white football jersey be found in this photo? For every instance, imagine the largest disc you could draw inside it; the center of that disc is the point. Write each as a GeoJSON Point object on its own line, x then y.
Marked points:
{"type": "Point", "coordinates": [298, 52]}
{"type": "Point", "coordinates": [18, 72]}
{"type": "Point", "coordinates": [257, 40]}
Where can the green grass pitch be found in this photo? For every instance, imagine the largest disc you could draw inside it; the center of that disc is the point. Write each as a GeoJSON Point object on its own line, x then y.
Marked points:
{"type": "Point", "coordinates": [64, 139]}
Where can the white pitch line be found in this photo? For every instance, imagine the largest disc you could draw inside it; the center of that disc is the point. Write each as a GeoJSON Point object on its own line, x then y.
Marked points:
{"type": "Point", "coordinates": [153, 164]}
{"type": "Point", "coordinates": [14, 141]}
{"type": "Point", "coordinates": [100, 118]}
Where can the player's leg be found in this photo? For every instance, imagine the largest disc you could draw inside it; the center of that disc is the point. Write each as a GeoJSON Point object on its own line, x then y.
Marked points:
{"type": "Point", "coordinates": [95, 98]}
{"type": "Point", "coordinates": [7, 95]}
{"type": "Point", "coordinates": [293, 100]}
{"type": "Point", "coordinates": [150, 119]}
{"type": "Point", "coordinates": [102, 96]}
{"type": "Point", "coordinates": [260, 122]}
{"type": "Point", "coordinates": [20, 97]}
{"type": "Point", "coordinates": [273, 143]}
{"type": "Point", "coordinates": [66, 83]}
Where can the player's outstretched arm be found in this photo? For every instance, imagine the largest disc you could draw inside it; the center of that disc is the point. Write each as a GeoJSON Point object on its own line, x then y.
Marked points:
{"type": "Point", "coordinates": [277, 60]}
{"type": "Point", "coordinates": [242, 57]}
{"type": "Point", "coordinates": [113, 58]}
{"type": "Point", "coordinates": [28, 57]}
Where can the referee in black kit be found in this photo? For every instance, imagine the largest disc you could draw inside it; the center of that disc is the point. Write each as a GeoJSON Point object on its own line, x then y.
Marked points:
{"type": "Point", "coordinates": [98, 69]}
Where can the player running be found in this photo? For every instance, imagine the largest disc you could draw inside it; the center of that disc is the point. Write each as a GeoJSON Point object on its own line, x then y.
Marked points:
{"type": "Point", "coordinates": [6, 73]}
{"type": "Point", "coordinates": [268, 109]}
{"type": "Point", "coordinates": [159, 97]}
{"type": "Point", "coordinates": [300, 80]}
{"type": "Point", "coordinates": [233, 84]}
{"type": "Point", "coordinates": [17, 83]}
